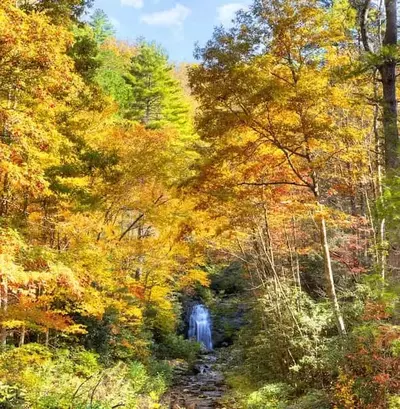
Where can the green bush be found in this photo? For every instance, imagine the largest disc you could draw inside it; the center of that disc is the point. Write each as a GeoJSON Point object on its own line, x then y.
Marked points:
{"type": "Point", "coordinates": [161, 370]}
{"type": "Point", "coordinates": [313, 400]}
{"type": "Point", "coordinates": [177, 347]}
{"type": "Point", "coordinates": [287, 342]}
{"type": "Point", "coordinates": [37, 377]}
{"type": "Point", "coordinates": [394, 402]}
{"type": "Point", "coordinates": [10, 396]}
{"type": "Point", "coordinates": [271, 396]}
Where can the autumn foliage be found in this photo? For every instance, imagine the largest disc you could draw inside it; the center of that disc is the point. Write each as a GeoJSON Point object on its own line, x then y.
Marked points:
{"type": "Point", "coordinates": [127, 186]}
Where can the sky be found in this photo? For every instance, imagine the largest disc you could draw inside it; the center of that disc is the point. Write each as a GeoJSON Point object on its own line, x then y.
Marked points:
{"type": "Point", "coordinates": [174, 24]}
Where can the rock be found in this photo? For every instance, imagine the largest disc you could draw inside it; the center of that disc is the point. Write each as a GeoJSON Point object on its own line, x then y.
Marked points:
{"type": "Point", "coordinates": [200, 391]}
{"type": "Point", "coordinates": [201, 368]}
{"type": "Point", "coordinates": [208, 388]}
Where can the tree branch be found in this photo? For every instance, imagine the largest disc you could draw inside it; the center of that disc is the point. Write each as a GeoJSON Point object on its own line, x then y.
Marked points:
{"type": "Point", "coordinates": [273, 183]}
{"type": "Point", "coordinates": [131, 226]}
{"type": "Point", "coordinates": [363, 24]}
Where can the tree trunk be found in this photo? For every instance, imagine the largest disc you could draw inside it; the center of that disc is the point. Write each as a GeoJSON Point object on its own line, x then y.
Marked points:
{"type": "Point", "coordinates": [22, 338]}
{"type": "Point", "coordinates": [4, 308]}
{"type": "Point", "coordinates": [328, 270]}
{"type": "Point", "coordinates": [389, 117]}
{"type": "Point", "coordinates": [296, 253]}
{"type": "Point", "coordinates": [382, 249]}
{"type": "Point", "coordinates": [380, 232]}
{"type": "Point", "coordinates": [330, 283]}
{"type": "Point", "coordinates": [388, 76]}
{"type": "Point", "coordinates": [387, 70]}
{"type": "Point", "coordinates": [47, 337]}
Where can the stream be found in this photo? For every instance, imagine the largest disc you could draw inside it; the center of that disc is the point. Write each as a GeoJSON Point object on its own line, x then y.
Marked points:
{"type": "Point", "coordinates": [200, 389]}
{"type": "Point", "coordinates": [203, 387]}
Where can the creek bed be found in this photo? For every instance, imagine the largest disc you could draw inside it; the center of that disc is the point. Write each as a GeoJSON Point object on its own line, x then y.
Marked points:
{"type": "Point", "coordinates": [202, 388]}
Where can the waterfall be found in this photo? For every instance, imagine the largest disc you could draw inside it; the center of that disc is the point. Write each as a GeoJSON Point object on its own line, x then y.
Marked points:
{"type": "Point", "coordinates": [200, 326]}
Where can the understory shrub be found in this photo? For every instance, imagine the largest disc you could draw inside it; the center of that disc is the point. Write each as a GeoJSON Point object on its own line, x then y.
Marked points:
{"type": "Point", "coordinates": [36, 377]}
{"type": "Point", "coordinates": [285, 340]}
{"type": "Point", "coordinates": [314, 399]}
{"type": "Point", "coordinates": [291, 339]}
{"type": "Point", "coordinates": [177, 347]}
{"type": "Point", "coordinates": [271, 396]}
{"type": "Point", "coordinates": [370, 362]}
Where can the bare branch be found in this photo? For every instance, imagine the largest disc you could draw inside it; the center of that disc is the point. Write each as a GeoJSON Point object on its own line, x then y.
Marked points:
{"type": "Point", "coordinates": [274, 183]}
{"type": "Point", "coordinates": [131, 226]}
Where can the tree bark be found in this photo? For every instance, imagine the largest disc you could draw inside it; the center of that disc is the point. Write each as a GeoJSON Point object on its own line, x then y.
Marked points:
{"type": "Point", "coordinates": [380, 237]}
{"type": "Point", "coordinates": [363, 24]}
{"type": "Point", "coordinates": [330, 283]}
{"type": "Point", "coordinates": [388, 76]}
{"type": "Point", "coordinates": [296, 253]}
{"type": "Point", "coordinates": [328, 270]}
{"type": "Point", "coordinates": [389, 116]}
{"type": "Point", "coordinates": [22, 338]}
{"type": "Point", "coordinates": [4, 308]}
{"type": "Point", "coordinates": [47, 337]}
{"type": "Point", "coordinates": [387, 70]}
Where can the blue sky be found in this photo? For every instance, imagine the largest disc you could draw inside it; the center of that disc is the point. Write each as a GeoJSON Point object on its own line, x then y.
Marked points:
{"type": "Point", "coordinates": [175, 24]}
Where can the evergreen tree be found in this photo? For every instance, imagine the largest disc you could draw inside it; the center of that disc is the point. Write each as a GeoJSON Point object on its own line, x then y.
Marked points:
{"type": "Point", "coordinates": [157, 95]}
{"type": "Point", "coordinates": [84, 52]}
{"type": "Point", "coordinates": [102, 26]}
{"type": "Point", "coordinates": [115, 58]}
{"type": "Point", "coordinates": [59, 10]}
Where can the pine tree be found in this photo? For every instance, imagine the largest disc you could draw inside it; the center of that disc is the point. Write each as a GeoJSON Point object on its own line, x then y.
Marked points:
{"type": "Point", "coordinates": [115, 58]}
{"type": "Point", "coordinates": [157, 95]}
{"type": "Point", "coordinates": [58, 10]}
{"type": "Point", "coordinates": [102, 26]}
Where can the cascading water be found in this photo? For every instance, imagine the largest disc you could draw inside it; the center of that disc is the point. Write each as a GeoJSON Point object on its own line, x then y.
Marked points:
{"type": "Point", "coordinates": [200, 326]}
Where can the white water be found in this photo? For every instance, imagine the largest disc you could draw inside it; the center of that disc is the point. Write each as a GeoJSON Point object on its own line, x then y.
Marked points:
{"type": "Point", "coordinates": [200, 326]}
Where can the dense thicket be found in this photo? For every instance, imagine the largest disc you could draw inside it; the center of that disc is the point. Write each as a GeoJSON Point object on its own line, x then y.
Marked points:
{"type": "Point", "coordinates": [297, 134]}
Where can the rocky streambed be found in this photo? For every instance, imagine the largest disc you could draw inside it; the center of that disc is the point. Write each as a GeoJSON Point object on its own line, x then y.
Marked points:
{"type": "Point", "coordinates": [201, 388]}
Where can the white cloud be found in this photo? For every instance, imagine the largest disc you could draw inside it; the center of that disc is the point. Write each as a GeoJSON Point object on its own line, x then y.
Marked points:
{"type": "Point", "coordinates": [226, 13]}
{"type": "Point", "coordinates": [137, 4]}
{"type": "Point", "coordinates": [167, 18]}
